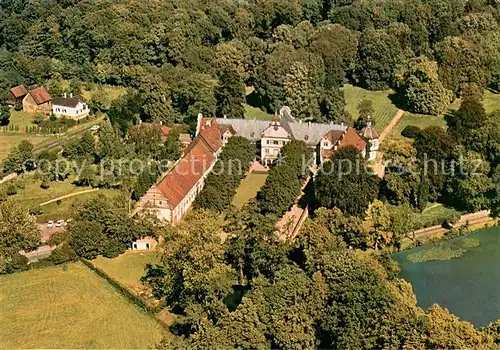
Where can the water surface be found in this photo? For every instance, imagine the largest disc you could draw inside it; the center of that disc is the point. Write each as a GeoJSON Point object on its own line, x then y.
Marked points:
{"type": "Point", "coordinates": [468, 286]}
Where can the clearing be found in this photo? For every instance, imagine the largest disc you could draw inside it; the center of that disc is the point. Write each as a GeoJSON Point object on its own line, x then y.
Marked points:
{"type": "Point", "coordinates": [382, 104]}
{"type": "Point", "coordinates": [490, 101]}
{"type": "Point", "coordinates": [70, 308]}
{"type": "Point", "coordinates": [249, 187]}
{"type": "Point", "coordinates": [31, 195]}
{"type": "Point", "coordinates": [127, 268]}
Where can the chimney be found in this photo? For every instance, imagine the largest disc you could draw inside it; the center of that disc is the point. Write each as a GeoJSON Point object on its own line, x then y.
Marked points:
{"type": "Point", "coordinates": [309, 124]}
{"type": "Point", "coordinates": [369, 121]}
{"type": "Point", "coordinates": [65, 95]}
{"type": "Point", "coordinates": [70, 95]}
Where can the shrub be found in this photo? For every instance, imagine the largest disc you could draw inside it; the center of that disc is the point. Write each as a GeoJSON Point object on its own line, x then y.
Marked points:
{"type": "Point", "coordinates": [411, 131]}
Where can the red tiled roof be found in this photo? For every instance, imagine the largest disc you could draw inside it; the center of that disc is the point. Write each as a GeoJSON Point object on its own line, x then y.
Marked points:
{"type": "Point", "coordinates": [344, 139]}
{"type": "Point", "coordinates": [186, 173]}
{"type": "Point", "coordinates": [334, 135]}
{"type": "Point", "coordinates": [19, 91]}
{"type": "Point", "coordinates": [165, 130]}
{"type": "Point", "coordinates": [351, 138]}
{"type": "Point", "coordinates": [210, 133]}
{"type": "Point", "coordinates": [40, 95]}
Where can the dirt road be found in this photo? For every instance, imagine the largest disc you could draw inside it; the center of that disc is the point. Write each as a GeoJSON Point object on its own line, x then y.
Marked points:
{"type": "Point", "coordinates": [379, 166]}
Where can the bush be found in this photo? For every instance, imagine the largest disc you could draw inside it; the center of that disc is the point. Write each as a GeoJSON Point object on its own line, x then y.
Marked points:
{"type": "Point", "coordinates": [411, 131]}
{"type": "Point", "coordinates": [62, 254]}
{"type": "Point", "coordinates": [16, 264]}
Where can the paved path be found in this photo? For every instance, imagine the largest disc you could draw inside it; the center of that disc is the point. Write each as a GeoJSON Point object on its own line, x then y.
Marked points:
{"type": "Point", "coordinates": [379, 166]}
{"type": "Point", "coordinates": [69, 196]}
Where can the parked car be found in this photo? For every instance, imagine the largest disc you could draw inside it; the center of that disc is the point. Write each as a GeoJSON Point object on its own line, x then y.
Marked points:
{"type": "Point", "coordinates": [94, 128]}
{"type": "Point", "coordinates": [50, 224]}
{"type": "Point", "coordinates": [59, 223]}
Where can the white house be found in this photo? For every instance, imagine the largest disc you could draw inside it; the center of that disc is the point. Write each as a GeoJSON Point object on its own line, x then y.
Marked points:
{"type": "Point", "coordinates": [72, 107]}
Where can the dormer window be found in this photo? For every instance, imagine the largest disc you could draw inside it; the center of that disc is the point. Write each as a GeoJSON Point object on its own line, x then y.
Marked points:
{"type": "Point", "coordinates": [252, 134]}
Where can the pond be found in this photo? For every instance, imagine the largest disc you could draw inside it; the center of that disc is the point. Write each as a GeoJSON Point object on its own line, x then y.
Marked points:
{"type": "Point", "coordinates": [461, 274]}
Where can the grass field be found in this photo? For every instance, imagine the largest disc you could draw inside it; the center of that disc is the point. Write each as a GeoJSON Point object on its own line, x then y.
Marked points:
{"type": "Point", "coordinates": [127, 268]}
{"type": "Point", "coordinates": [435, 212]}
{"type": "Point", "coordinates": [53, 308]}
{"type": "Point", "coordinates": [256, 113]}
{"type": "Point", "coordinates": [31, 195]}
{"type": "Point", "coordinates": [248, 188]}
{"type": "Point", "coordinates": [422, 121]}
{"type": "Point", "coordinates": [491, 102]}
{"type": "Point", "coordinates": [11, 139]}
{"type": "Point", "coordinates": [383, 106]}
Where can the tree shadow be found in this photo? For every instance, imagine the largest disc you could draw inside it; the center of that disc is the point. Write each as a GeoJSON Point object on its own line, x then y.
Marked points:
{"type": "Point", "coordinates": [398, 99]}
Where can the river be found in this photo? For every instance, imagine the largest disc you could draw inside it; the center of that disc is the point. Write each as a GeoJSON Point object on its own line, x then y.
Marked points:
{"type": "Point", "coordinates": [468, 285]}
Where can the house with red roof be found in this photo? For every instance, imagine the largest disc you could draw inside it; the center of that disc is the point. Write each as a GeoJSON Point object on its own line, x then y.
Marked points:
{"type": "Point", "coordinates": [174, 194]}
{"type": "Point", "coordinates": [37, 101]}
{"type": "Point", "coordinates": [17, 94]}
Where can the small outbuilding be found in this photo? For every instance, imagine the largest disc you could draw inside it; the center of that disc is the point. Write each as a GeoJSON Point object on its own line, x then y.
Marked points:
{"type": "Point", "coordinates": [146, 243]}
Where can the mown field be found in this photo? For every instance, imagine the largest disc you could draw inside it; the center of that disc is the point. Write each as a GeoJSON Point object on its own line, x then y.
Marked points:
{"type": "Point", "coordinates": [248, 188]}
{"type": "Point", "coordinates": [31, 195]}
{"type": "Point", "coordinates": [54, 308]}
{"type": "Point", "coordinates": [127, 268]}
{"type": "Point", "coordinates": [490, 101]}
{"type": "Point", "coordinates": [382, 104]}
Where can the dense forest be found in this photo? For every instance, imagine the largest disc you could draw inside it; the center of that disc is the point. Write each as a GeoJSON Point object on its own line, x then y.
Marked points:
{"type": "Point", "coordinates": [186, 57]}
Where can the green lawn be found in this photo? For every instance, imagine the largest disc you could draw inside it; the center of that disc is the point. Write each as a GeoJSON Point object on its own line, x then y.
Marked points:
{"type": "Point", "coordinates": [491, 102]}
{"type": "Point", "coordinates": [127, 268]}
{"type": "Point", "coordinates": [12, 139]}
{"type": "Point", "coordinates": [248, 188]}
{"type": "Point", "coordinates": [256, 113]}
{"type": "Point", "coordinates": [53, 308]}
{"type": "Point", "coordinates": [435, 213]}
{"type": "Point", "coordinates": [420, 120]}
{"type": "Point", "coordinates": [31, 195]}
{"type": "Point", "coordinates": [111, 92]}
{"type": "Point", "coordinates": [383, 106]}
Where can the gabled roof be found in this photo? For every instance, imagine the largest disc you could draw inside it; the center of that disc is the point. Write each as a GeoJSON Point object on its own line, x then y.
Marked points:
{"type": "Point", "coordinates": [334, 135]}
{"type": "Point", "coordinates": [70, 102]}
{"type": "Point", "coordinates": [198, 159]}
{"type": "Point", "coordinates": [19, 91]}
{"type": "Point", "coordinates": [351, 138]}
{"type": "Point", "coordinates": [210, 133]}
{"type": "Point", "coordinates": [223, 128]}
{"type": "Point", "coordinates": [40, 95]}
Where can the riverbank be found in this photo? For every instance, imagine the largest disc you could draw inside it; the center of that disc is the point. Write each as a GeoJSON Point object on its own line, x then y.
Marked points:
{"type": "Point", "coordinates": [467, 223]}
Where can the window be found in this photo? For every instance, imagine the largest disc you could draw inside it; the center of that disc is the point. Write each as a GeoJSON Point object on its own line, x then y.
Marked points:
{"type": "Point", "coordinates": [268, 142]}
{"type": "Point", "coordinates": [266, 150]}
{"type": "Point", "coordinates": [276, 142]}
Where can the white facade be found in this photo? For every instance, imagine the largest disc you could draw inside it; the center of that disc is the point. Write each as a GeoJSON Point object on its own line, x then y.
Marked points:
{"type": "Point", "coordinates": [146, 243]}
{"type": "Point", "coordinates": [69, 107]}
{"type": "Point", "coordinates": [273, 138]}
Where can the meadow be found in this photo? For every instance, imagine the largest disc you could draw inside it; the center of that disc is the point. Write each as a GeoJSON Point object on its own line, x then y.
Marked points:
{"type": "Point", "coordinates": [127, 268]}
{"type": "Point", "coordinates": [248, 188]}
{"type": "Point", "coordinates": [32, 196]}
{"type": "Point", "coordinates": [382, 104]}
{"type": "Point", "coordinates": [70, 307]}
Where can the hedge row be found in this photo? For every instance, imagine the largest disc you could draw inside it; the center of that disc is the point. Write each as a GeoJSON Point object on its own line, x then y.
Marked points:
{"type": "Point", "coordinates": [122, 290]}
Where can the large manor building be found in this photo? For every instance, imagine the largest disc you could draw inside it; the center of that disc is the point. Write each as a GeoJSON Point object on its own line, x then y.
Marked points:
{"type": "Point", "coordinates": [174, 194]}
